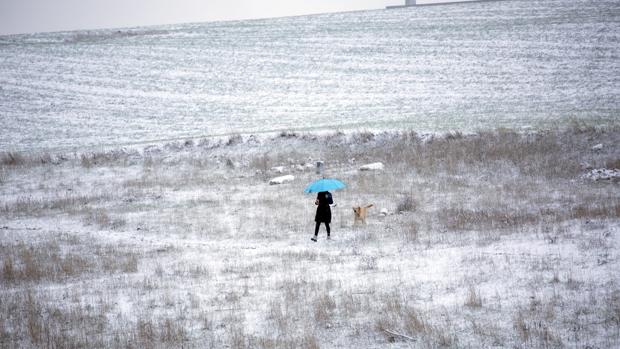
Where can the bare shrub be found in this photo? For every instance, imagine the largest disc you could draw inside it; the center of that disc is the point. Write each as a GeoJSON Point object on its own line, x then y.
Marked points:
{"type": "Point", "coordinates": [473, 299]}
{"type": "Point", "coordinates": [145, 330]}
{"type": "Point", "coordinates": [151, 334]}
{"type": "Point", "coordinates": [368, 263]}
{"type": "Point", "coordinates": [45, 158]}
{"type": "Point", "coordinates": [611, 314]}
{"type": "Point", "coordinates": [92, 159]}
{"type": "Point", "coordinates": [230, 163]}
{"type": "Point", "coordinates": [443, 337]}
{"type": "Point", "coordinates": [453, 135]}
{"type": "Point", "coordinates": [288, 134]}
{"type": "Point", "coordinates": [262, 163]}
{"type": "Point", "coordinates": [12, 159]}
{"type": "Point", "coordinates": [199, 271]}
{"type": "Point", "coordinates": [534, 327]}
{"type": "Point", "coordinates": [302, 255]}
{"type": "Point", "coordinates": [277, 315]}
{"type": "Point", "coordinates": [309, 341]}
{"type": "Point", "coordinates": [411, 232]}
{"type": "Point", "coordinates": [324, 307]}
{"type": "Point", "coordinates": [234, 140]}
{"type": "Point", "coordinates": [172, 332]}
{"type": "Point", "coordinates": [579, 126]}
{"type": "Point", "coordinates": [572, 284]}
{"type": "Point", "coordinates": [413, 322]}
{"type": "Point", "coordinates": [114, 261]}
{"type": "Point", "coordinates": [5, 334]}
{"type": "Point", "coordinates": [556, 277]}
{"type": "Point", "coordinates": [34, 321]}
{"type": "Point", "coordinates": [406, 324]}
{"type": "Point", "coordinates": [350, 304]}
{"type": "Point", "coordinates": [362, 137]}
{"type": "Point", "coordinates": [8, 269]}
{"type": "Point", "coordinates": [102, 219]}
{"type": "Point", "coordinates": [521, 327]}
{"type": "Point", "coordinates": [407, 204]}
{"type": "Point", "coordinates": [237, 337]}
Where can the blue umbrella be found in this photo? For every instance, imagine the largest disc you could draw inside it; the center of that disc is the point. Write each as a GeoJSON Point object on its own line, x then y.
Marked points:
{"type": "Point", "coordinates": [324, 184]}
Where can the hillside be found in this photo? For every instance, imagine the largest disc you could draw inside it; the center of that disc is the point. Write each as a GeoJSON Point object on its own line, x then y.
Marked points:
{"type": "Point", "coordinates": [518, 64]}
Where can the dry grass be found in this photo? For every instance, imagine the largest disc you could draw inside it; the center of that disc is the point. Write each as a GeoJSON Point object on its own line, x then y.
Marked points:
{"type": "Point", "coordinates": [307, 341]}
{"type": "Point", "coordinates": [107, 158]}
{"type": "Point", "coordinates": [407, 204]}
{"type": "Point", "coordinates": [324, 308]}
{"type": "Point", "coordinates": [28, 263]}
{"type": "Point", "coordinates": [401, 322]}
{"type": "Point", "coordinates": [17, 160]}
{"type": "Point", "coordinates": [33, 206]}
{"type": "Point", "coordinates": [465, 219]}
{"type": "Point", "coordinates": [12, 159]}
{"type": "Point", "coordinates": [473, 299]}
{"type": "Point", "coordinates": [103, 220]}
{"type": "Point", "coordinates": [196, 272]}
{"type": "Point", "coordinates": [411, 232]}
{"type": "Point", "coordinates": [151, 334]}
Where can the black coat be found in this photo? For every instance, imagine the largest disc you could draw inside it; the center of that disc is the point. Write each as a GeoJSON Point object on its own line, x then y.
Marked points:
{"type": "Point", "coordinates": [323, 212]}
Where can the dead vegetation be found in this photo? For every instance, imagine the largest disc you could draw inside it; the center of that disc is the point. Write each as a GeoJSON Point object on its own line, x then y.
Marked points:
{"type": "Point", "coordinates": [188, 222]}
{"type": "Point", "coordinates": [51, 261]}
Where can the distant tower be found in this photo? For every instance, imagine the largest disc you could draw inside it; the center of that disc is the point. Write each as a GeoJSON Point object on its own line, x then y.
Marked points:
{"type": "Point", "coordinates": [410, 2]}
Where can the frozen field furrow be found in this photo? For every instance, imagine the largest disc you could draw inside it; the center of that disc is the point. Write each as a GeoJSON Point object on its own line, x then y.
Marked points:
{"type": "Point", "coordinates": [517, 64]}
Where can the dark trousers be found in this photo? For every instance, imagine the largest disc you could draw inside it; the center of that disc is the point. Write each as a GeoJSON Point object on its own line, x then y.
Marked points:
{"type": "Point", "coordinates": [316, 228]}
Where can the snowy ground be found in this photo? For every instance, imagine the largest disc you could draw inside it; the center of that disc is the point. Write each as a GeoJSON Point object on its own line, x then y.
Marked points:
{"type": "Point", "coordinates": [495, 239]}
{"type": "Point", "coordinates": [518, 64]}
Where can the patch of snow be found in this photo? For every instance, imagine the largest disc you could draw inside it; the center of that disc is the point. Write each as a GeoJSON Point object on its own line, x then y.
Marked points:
{"type": "Point", "coordinates": [375, 166]}
{"type": "Point", "coordinates": [277, 169]}
{"type": "Point", "coordinates": [281, 179]}
{"type": "Point", "coordinates": [598, 174]}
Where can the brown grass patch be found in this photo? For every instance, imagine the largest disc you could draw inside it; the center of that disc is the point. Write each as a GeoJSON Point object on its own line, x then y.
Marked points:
{"type": "Point", "coordinates": [48, 261]}
{"type": "Point", "coordinates": [465, 219]}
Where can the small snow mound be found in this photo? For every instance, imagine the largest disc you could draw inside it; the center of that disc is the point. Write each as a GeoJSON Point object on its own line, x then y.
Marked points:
{"type": "Point", "coordinates": [383, 212]}
{"type": "Point", "coordinates": [599, 174]}
{"type": "Point", "coordinates": [598, 147]}
{"type": "Point", "coordinates": [282, 179]}
{"type": "Point", "coordinates": [375, 166]}
{"type": "Point", "coordinates": [278, 169]}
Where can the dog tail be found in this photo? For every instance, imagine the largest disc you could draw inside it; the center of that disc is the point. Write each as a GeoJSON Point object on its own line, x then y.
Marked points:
{"type": "Point", "coordinates": [369, 206]}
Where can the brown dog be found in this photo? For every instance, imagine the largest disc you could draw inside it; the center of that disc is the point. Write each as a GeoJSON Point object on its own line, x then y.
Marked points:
{"type": "Point", "coordinates": [360, 213]}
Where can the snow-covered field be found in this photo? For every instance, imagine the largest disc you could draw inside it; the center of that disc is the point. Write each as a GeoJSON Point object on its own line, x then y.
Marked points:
{"type": "Point", "coordinates": [136, 209]}
{"type": "Point", "coordinates": [516, 64]}
{"type": "Point", "coordinates": [491, 240]}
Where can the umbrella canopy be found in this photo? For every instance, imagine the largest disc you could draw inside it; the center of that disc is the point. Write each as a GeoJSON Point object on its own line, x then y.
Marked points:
{"type": "Point", "coordinates": [324, 184]}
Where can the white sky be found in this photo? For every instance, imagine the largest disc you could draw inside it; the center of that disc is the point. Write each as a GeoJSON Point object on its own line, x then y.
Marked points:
{"type": "Point", "coordinates": [28, 16]}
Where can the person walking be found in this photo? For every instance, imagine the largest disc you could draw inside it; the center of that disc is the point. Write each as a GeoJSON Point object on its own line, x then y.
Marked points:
{"type": "Point", "coordinates": [323, 213]}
